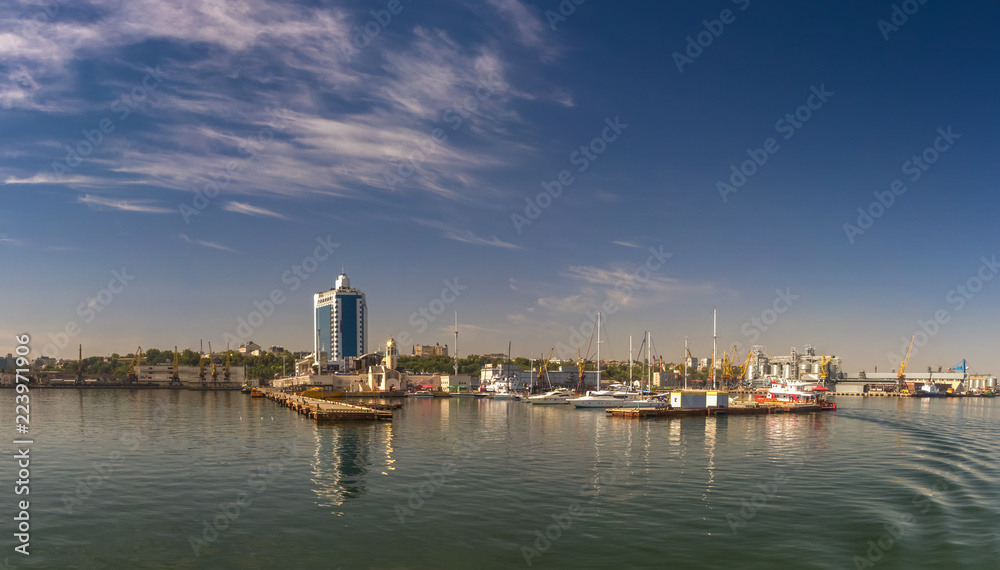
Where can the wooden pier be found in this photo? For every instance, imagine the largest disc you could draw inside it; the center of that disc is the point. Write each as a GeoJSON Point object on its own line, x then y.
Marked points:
{"type": "Point", "coordinates": [320, 410]}
{"type": "Point", "coordinates": [730, 411]}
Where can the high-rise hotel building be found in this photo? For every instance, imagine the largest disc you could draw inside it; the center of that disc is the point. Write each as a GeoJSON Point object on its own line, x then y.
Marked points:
{"type": "Point", "coordinates": [341, 319]}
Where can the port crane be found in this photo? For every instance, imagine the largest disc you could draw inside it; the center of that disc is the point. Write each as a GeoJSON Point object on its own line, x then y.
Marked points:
{"type": "Point", "coordinates": [79, 367]}
{"type": "Point", "coordinates": [901, 375]}
{"type": "Point", "coordinates": [215, 373]}
{"type": "Point", "coordinates": [175, 378]}
{"type": "Point", "coordinates": [544, 368]}
{"type": "Point", "coordinates": [133, 369]}
{"type": "Point", "coordinates": [746, 365]}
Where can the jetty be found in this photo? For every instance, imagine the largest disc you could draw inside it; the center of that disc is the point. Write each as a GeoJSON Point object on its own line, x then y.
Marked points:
{"type": "Point", "coordinates": [321, 410]}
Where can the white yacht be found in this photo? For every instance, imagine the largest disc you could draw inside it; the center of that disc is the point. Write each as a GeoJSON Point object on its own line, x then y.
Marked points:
{"type": "Point", "coordinates": [610, 398]}
{"type": "Point", "coordinates": [557, 396]}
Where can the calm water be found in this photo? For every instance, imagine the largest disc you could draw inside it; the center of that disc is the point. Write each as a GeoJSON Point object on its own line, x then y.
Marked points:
{"type": "Point", "coordinates": [477, 484]}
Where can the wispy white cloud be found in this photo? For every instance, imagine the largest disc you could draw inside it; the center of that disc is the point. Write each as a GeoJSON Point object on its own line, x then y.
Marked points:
{"type": "Point", "coordinates": [247, 209]}
{"type": "Point", "coordinates": [528, 27]}
{"type": "Point", "coordinates": [465, 236]}
{"type": "Point", "coordinates": [198, 116]}
{"type": "Point", "coordinates": [140, 206]}
{"type": "Point", "coordinates": [208, 244]}
{"type": "Point", "coordinates": [626, 244]}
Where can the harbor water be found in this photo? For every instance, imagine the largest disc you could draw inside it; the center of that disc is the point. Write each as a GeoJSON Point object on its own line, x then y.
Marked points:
{"type": "Point", "coordinates": [183, 479]}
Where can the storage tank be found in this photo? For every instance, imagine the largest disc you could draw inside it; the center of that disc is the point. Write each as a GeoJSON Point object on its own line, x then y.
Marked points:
{"type": "Point", "coordinates": [788, 371]}
{"type": "Point", "coordinates": [991, 382]}
{"type": "Point", "coordinates": [815, 368]}
{"type": "Point", "coordinates": [775, 369]}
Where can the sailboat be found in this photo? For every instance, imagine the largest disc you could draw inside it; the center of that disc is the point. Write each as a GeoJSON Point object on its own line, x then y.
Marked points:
{"type": "Point", "coordinates": [603, 399]}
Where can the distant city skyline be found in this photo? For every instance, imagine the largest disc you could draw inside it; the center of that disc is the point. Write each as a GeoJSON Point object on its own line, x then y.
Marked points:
{"type": "Point", "coordinates": [820, 174]}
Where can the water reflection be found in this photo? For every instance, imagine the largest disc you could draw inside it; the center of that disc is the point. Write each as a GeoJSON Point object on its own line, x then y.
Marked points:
{"type": "Point", "coordinates": [346, 456]}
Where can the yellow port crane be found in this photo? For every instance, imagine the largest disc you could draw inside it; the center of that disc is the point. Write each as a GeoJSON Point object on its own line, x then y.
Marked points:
{"type": "Point", "coordinates": [133, 369]}
{"type": "Point", "coordinates": [746, 365]}
{"type": "Point", "coordinates": [729, 370]}
{"type": "Point", "coordinates": [824, 370]}
{"type": "Point", "coordinates": [901, 375]}
{"type": "Point", "coordinates": [543, 368]}
{"type": "Point", "coordinates": [176, 378]}
{"type": "Point", "coordinates": [215, 373]}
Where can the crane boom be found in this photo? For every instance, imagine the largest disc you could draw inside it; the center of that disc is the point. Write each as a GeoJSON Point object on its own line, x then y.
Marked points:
{"type": "Point", "coordinates": [906, 361]}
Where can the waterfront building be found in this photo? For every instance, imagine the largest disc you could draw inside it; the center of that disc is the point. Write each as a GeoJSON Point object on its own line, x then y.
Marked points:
{"type": "Point", "coordinates": [249, 348]}
{"type": "Point", "coordinates": [340, 317]}
{"type": "Point", "coordinates": [428, 350]}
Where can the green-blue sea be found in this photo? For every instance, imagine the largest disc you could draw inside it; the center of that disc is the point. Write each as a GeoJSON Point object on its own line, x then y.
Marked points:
{"type": "Point", "coordinates": [184, 479]}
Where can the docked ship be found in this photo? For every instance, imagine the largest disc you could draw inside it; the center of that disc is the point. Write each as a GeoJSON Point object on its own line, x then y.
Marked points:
{"type": "Point", "coordinates": [796, 392]}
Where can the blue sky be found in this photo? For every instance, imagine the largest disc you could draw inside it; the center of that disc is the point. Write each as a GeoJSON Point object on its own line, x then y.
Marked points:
{"type": "Point", "coordinates": [219, 141]}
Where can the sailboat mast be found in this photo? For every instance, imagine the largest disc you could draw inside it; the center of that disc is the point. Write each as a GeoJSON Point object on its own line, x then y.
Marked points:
{"type": "Point", "coordinates": [686, 363]}
{"type": "Point", "coordinates": [715, 382]}
{"type": "Point", "coordinates": [598, 350]}
{"type": "Point", "coordinates": [649, 376]}
{"type": "Point", "coordinates": [629, 359]}
{"type": "Point", "coordinates": [456, 346]}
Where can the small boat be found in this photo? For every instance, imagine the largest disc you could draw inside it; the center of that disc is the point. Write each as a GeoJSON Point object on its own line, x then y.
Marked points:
{"type": "Point", "coordinates": [421, 394]}
{"type": "Point", "coordinates": [256, 393]}
{"type": "Point", "coordinates": [246, 389]}
{"type": "Point", "coordinates": [557, 396]}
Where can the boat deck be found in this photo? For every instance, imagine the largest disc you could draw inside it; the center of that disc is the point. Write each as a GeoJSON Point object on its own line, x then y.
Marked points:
{"type": "Point", "coordinates": [730, 411]}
